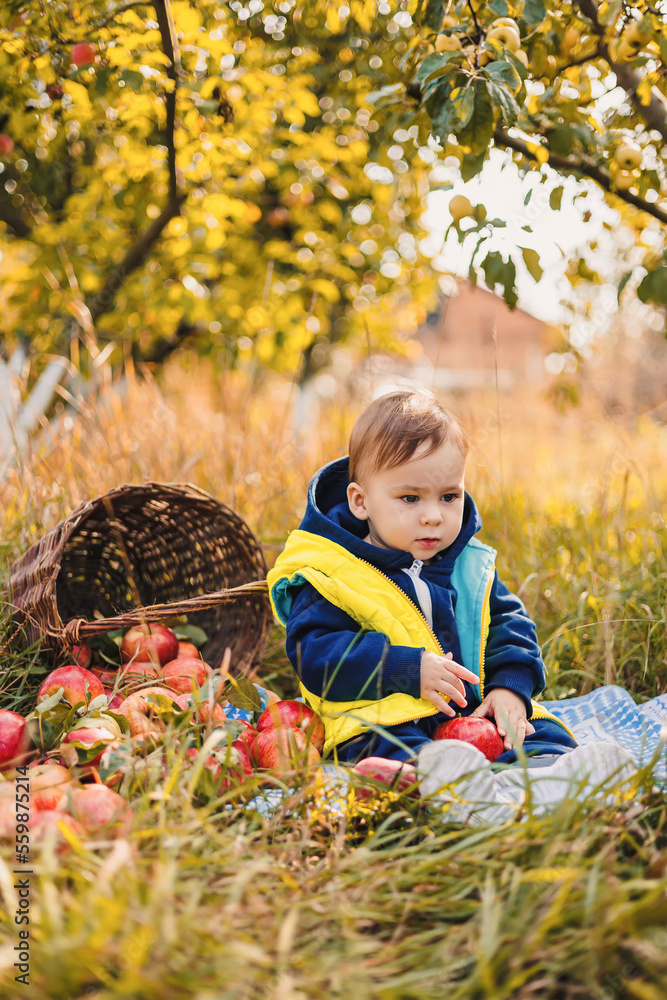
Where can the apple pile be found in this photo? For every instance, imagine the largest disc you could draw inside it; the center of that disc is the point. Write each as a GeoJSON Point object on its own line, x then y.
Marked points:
{"type": "Point", "coordinates": [91, 718]}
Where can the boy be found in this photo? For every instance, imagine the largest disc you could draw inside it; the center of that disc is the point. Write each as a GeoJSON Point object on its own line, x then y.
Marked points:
{"type": "Point", "coordinates": [394, 609]}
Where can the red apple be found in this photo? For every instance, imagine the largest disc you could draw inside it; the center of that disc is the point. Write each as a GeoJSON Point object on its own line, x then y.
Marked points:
{"type": "Point", "coordinates": [82, 54]}
{"type": "Point", "coordinates": [394, 773]}
{"type": "Point", "coordinates": [187, 651]}
{"type": "Point", "coordinates": [6, 144]}
{"type": "Point", "coordinates": [249, 738]}
{"type": "Point", "coordinates": [236, 760]}
{"type": "Point", "coordinates": [137, 673]}
{"type": "Point", "coordinates": [98, 806]}
{"type": "Point", "coordinates": [108, 677]}
{"type": "Point", "coordinates": [45, 819]}
{"type": "Point", "coordinates": [48, 786]}
{"type": "Point", "coordinates": [145, 716]}
{"type": "Point", "coordinates": [179, 674]}
{"type": "Point", "coordinates": [89, 736]}
{"type": "Point", "coordinates": [15, 740]}
{"type": "Point", "coordinates": [294, 714]}
{"type": "Point", "coordinates": [153, 643]}
{"type": "Point", "coordinates": [204, 712]}
{"type": "Point", "coordinates": [113, 700]}
{"type": "Point", "coordinates": [284, 750]}
{"type": "Point", "coordinates": [82, 655]}
{"type": "Point", "coordinates": [478, 731]}
{"type": "Point", "coordinates": [73, 680]}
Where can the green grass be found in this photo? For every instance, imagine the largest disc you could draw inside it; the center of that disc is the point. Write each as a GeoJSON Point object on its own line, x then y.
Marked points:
{"type": "Point", "coordinates": [211, 900]}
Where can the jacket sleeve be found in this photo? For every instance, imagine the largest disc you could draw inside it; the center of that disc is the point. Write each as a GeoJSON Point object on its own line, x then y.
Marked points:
{"type": "Point", "coordinates": [513, 657]}
{"type": "Point", "coordinates": [336, 659]}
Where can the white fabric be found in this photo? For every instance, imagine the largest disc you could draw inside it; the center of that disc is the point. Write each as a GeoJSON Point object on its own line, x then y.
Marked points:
{"type": "Point", "coordinates": [458, 777]}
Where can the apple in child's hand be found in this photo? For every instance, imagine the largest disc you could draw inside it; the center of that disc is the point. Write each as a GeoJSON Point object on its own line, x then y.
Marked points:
{"type": "Point", "coordinates": [296, 715]}
{"type": "Point", "coordinates": [397, 774]}
{"type": "Point", "coordinates": [15, 740]}
{"type": "Point", "coordinates": [284, 750]}
{"type": "Point", "coordinates": [479, 732]}
{"type": "Point", "coordinates": [97, 807]}
{"type": "Point", "coordinates": [73, 679]}
{"type": "Point", "coordinates": [153, 643]}
{"type": "Point", "coordinates": [179, 674]}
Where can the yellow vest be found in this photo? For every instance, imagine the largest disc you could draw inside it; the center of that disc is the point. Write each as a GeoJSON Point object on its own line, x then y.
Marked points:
{"type": "Point", "coordinates": [372, 599]}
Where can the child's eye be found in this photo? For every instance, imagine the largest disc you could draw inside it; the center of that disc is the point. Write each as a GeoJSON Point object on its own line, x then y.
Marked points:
{"type": "Point", "coordinates": [410, 497]}
{"type": "Point", "coordinates": [449, 497]}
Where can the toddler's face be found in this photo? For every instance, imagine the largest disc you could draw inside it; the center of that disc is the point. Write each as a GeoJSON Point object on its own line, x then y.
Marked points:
{"type": "Point", "coordinates": [416, 507]}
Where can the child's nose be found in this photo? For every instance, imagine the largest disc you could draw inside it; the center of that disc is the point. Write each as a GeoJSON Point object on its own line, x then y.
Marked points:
{"type": "Point", "coordinates": [432, 515]}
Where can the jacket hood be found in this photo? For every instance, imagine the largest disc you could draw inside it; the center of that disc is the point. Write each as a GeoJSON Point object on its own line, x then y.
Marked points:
{"type": "Point", "coordinates": [328, 514]}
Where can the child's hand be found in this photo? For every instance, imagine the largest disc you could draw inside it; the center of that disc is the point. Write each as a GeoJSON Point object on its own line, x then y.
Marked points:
{"type": "Point", "coordinates": [508, 711]}
{"type": "Point", "coordinates": [442, 675]}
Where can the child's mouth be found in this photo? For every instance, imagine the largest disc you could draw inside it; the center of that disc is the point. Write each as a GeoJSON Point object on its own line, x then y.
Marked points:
{"type": "Point", "coordinates": [428, 543]}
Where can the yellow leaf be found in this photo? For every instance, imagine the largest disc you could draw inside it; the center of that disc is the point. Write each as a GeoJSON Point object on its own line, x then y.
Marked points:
{"type": "Point", "coordinates": [186, 19]}
{"type": "Point", "coordinates": [327, 289]}
{"type": "Point", "coordinates": [538, 151]}
{"type": "Point", "coordinates": [79, 94]}
{"type": "Point", "coordinates": [294, 116]}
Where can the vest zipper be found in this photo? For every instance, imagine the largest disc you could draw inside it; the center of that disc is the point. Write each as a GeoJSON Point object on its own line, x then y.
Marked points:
{"type": "Point", "coordinates": [412, 604]}
{"type": "Point", "coordinates": [421, 589]}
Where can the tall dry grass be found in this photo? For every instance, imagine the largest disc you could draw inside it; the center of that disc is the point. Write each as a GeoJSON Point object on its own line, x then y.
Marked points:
{"type": "Point", "coordinates": [211, 900]}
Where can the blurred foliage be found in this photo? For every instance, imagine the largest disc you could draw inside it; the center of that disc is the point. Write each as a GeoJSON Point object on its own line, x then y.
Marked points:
{"type": "Point", "coordinates": [207, 172]}
{"type": "Point", "coordinates": [579, 86]}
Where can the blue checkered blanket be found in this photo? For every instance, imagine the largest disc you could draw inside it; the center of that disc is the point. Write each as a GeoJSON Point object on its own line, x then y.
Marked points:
{"type": "Point", "coordinates": [610, 714]}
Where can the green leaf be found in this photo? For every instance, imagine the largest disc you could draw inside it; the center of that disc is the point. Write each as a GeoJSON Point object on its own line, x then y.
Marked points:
{"type": "Point", "coordinates": [376, 96]}
{"type": "Point", "coordinates": [622, 283]}
{"type": "Point", "coordinates": [560, 140]}
{"type": "Point", "coordinates": [499, 7]}
{"type": "Point", "coordinates": [132, 79]}
{"type": "Point", "coordinates": [463, 104]}
{"type": "Point", "coordinates": [471, 165]}
{"type": "Point", "coordinates": [534, 12]}
{"type": "Point", "coordinates": [101, 84]}
{"type": "Point", "coordinates": [498, 271]}
{"type": "Point", "coordinates": [528, 196]}
{"type": "Point", "coordinates": [434, 13]}
{"type": "Point", "coordinates": [502, 72]}
{"type": "Point", "coordinates": [193, 634]}
{"type": "Point", "coordinates": [479, 130]}
{"type": "Point", "coordinates": [504, 100]}
{"type": "Point", "coordinates": [531, 259]}
{"type": "Point", "coordinates": [555, 198]}
{"type": "Point", "coordinates": [653, 286]}
{"type": "Point", "coordinates": [244, 694]}
{"type": "Point", "coordinates": [435, 65]}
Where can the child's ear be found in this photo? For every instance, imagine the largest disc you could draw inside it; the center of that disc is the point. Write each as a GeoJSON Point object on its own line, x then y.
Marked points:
{"type": "Point", "coordinates": [357, 501]}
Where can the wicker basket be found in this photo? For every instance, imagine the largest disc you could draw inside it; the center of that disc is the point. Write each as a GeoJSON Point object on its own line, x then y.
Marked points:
{"type": "Point", "coordinates": [141, 554]}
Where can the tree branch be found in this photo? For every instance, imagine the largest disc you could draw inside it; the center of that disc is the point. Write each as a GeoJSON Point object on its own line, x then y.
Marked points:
{"type": "Point", "coordinates": [654, 114]}
{"type": "Point", "coordinates": [170, 46]}
{"type": "Point", "coordinates": [13, 218]}
{"type": "Point", "coordinates": [585, 167]}
{"type": "Point", "coordinates": [136, 255]}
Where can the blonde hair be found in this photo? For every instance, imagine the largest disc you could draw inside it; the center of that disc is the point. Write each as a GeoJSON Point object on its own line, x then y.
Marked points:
{"type": "Point", "coordinates": [391, 429]}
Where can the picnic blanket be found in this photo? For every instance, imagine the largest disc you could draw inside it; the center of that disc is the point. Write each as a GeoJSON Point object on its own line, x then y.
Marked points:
{"type": "Point", "coordinates": [609, 714]}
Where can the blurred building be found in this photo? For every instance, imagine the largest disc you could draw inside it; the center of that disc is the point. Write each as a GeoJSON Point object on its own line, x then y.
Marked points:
{"type": "Point", "coordinates": [475, 333]}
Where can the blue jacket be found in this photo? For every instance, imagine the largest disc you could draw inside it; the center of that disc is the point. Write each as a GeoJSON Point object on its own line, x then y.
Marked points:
{"type": "Point", "coordinates": [323, 642]}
